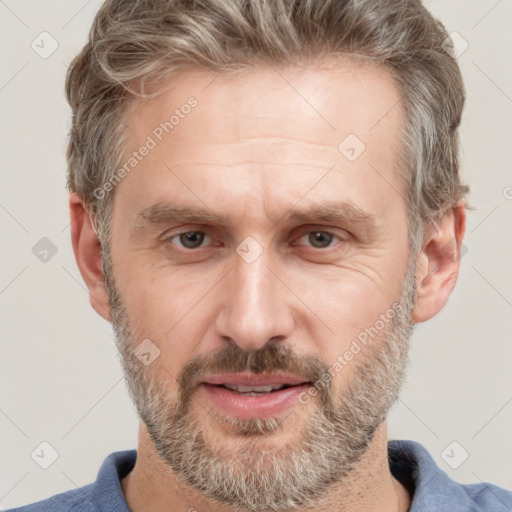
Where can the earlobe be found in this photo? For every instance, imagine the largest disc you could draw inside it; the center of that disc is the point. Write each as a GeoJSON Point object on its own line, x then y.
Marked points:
{"type": "Point", "coordinates": [439, 263]}
{"type": "Point", "coordinates": [87, 249]}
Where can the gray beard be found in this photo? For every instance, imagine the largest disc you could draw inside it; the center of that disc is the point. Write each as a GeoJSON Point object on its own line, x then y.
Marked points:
{"type": "Point", "coordinates": [261, 474]}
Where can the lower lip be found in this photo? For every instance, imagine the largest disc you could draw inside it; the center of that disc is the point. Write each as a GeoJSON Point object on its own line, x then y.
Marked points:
{"type": "Point", "coordinates": [235, 404]}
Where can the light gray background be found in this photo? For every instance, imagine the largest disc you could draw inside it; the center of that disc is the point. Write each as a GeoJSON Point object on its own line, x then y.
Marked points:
{"type": "Point", "coordinates": [60, 379]}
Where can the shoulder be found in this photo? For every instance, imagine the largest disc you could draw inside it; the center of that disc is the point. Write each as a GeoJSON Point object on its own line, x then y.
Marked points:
{"type": "Point", "coordinates": [433, 490]}
{"type": "Point", "coordinates": [489, 497]}
{"type": "Point", "coordinates": [103, 495]}
{"type": "Point", "coordinates": [77, 500]}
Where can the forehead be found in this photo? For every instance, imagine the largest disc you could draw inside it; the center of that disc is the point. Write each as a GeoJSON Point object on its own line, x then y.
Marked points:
{"type": "Point", "coordinates": [265, 125]}
{"type": "Point", "coordinates": [337, 94]}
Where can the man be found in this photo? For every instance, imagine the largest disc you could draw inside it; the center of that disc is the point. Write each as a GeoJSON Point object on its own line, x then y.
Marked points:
{"type": "Point", "coordinates": [265, 200]}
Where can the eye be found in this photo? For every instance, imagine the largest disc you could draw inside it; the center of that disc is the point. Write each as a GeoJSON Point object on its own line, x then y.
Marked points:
{"type": "Point", "coordinates": [188, 239]}
{"type": "Point", "coordinates": [194, 239]}
{"type": "Point", "coordinates": [320, 239]}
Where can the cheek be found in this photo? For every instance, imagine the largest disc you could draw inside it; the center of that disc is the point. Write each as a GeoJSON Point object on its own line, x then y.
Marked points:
{"type": "Point", "coordinates": [169, 309]}
{"type": "Point", "coordinates": [157, 291]}
{"type": "Point", "coordinates": [351, 294]}
{"type": "Point", "coordinates": [352, 305]}
{"type": "Point", "coordinates": [349, 308]}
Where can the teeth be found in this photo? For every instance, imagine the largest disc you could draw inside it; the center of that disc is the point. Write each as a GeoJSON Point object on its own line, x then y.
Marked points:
{"type": "Point", "coordinates": [257, 389]}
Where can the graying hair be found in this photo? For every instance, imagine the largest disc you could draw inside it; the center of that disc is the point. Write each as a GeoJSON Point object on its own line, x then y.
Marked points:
{"type": "Point", "coordinates": [137, 45]}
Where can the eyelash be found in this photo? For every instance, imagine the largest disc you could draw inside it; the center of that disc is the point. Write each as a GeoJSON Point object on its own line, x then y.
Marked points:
{"type": "Point", "coordinates": [168, 239]}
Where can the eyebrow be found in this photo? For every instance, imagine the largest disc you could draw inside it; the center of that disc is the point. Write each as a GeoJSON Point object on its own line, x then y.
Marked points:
{"type": "Point", "coordinates": [160, 213]}
{"type": "Point", "coordinates": [329, 211]}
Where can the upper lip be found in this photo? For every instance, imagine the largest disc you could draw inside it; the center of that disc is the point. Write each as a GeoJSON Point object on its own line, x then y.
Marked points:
{"type": "Point", "coordinates": [248, 379]}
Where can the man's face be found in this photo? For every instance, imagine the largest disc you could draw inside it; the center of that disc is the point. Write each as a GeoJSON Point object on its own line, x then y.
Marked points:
{"type": "Point", "coordinates": [254, 288]}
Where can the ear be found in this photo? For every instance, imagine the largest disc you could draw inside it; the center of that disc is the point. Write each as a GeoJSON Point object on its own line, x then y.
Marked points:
{"type": "Point", "coordinates": [87, 249]}
{"type": "Point", "coordinates": [438, 264]}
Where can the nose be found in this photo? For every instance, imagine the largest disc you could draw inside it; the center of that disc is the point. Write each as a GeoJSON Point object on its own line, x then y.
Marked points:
{"type": "Point", "coordinates": [254, 305]}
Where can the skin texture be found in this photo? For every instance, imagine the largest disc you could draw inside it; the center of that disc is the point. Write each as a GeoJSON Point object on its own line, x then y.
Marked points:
{"type": "Point", "coordinates": [257, 145]}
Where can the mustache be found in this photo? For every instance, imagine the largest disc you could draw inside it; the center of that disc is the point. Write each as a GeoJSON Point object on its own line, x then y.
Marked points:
{"type": "Point", "coordinates": [272, 357]}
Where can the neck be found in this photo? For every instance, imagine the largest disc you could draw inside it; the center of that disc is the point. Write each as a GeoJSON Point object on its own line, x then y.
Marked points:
{"type": "Point", "coordinates": [152, 486]}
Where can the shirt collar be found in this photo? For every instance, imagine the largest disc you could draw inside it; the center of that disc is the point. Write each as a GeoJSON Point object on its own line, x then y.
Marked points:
{"type": "Point", "coordinates": [430, 487]}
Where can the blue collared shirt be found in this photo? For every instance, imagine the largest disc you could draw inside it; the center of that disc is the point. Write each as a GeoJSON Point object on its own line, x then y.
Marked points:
{"type": "Point", "coordinates": [409, 461]}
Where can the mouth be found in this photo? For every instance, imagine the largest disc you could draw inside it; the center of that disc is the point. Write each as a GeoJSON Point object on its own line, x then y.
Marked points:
{"type": "Point", "coordinates": [257, 390]}
{"type": "Point", "coordinates": [252, 396]}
